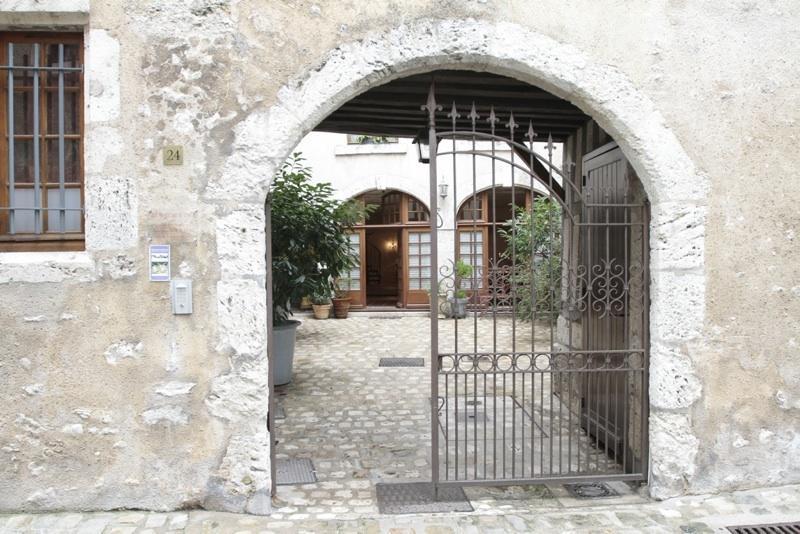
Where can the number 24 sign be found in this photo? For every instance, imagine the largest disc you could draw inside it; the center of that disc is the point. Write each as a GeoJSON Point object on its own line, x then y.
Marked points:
{"type": "Point", "coordinates": [173, 155]}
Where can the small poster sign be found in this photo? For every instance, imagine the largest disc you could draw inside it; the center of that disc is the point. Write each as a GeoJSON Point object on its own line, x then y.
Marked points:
{"type": "Point", "coordinates": [159, 263]}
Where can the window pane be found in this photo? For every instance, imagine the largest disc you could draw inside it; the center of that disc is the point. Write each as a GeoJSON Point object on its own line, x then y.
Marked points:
{"type": "Point", "coordinates": [71, 112]}
{"type": "Point", "coordinates": [24, 218]}
{"type": "Point", "coordinates": [71, 55]}
{"type": "Point", "coordinates": [23, 55]}
{"type": "Point", "coordinates": [23, 161]}
{"type": "Point", "coordinates": [23, 112]}
{"type": "Point", "coordinates": [71, 161]}
{"type": "Point", "coordinates": [72, 218]}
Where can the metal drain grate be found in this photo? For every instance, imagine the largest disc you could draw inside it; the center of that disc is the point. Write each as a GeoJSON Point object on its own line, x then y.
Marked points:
{"type": "Point", "coordinates": [295, 471]}
{"type": "Point", "coordinates": [775, 528]}
{"type": "Point", "coordinates": [417, 498]}
{"type": "Point", "coordinates": [593, 490]}
{"type": "Point", "coordinates": [402, 362]}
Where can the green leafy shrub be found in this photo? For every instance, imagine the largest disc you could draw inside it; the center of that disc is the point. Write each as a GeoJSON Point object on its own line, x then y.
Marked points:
{"type": "Point", "coordinates": [310, 245]}
{"type": "Point", "coordinates": [535, 242]}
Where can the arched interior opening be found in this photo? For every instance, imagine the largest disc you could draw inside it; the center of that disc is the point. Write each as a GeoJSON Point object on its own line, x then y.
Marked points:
{"type": "Point", "coordinates": [386, 248]}
{"type": "Point", "coordinates": [561, 324]}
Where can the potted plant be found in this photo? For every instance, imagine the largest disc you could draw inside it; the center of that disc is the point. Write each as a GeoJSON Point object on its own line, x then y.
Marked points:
{"type": "Point", "coordinates": [310, 247]}
{"type": "Point", "coordinates": [321, 304]}
{"type": "Point", "coordinates": [458, 301]}
{"type": "Point", "coordinates": [341, 301]}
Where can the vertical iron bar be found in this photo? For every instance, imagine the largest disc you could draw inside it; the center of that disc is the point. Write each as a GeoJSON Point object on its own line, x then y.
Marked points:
{"type": "Point", "coordinates": [531, 135]}
{"type": "Point", "coordinates": [628, 235]}
{"type": "Point", "coordinates": [552, 290]}
{"type": "Point", "coordinates": [511, 126]}
{"type": "Point", "coordinates": [10, 113]}
{"type": "Point", "coordinates": [434, 293]}
{"type": "Point", "coordinates": [611, 182]}
{"type": "Point", "coordinates": [645, 395]}
{"type": "Point", "coordinates": [270, 350]}
{"type": "Point", "coordinates": [37, 192]}
{"type": "Point", "coordinates": [568, 226]}
{"type": "Point", "coordinates": [485, 425]}
{"type": "Point", "coordinates": [446, 426]}
{"type": "Point", "coordinates": [475, 297]}
{"type": "Point", "coordinates": [62, 214]}
{"type": "Point", "coordinates": [492, 120]}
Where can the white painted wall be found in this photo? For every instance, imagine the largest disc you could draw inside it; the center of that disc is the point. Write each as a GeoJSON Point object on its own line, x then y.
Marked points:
{"type": "Point", "coordinates": [353, 169]}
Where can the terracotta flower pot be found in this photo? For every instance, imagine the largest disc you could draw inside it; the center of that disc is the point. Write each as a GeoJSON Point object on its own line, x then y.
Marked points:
{"type": "Point", "coordinates": [305, 303]}
{"type": "Point", "coordinates": [341, 307]}
{"type": "Point", "coordinates": [321, 311]}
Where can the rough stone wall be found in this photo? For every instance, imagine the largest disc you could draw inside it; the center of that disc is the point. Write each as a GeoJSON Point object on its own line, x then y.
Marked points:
{"type": "Point", "coordinates": [110, 401]}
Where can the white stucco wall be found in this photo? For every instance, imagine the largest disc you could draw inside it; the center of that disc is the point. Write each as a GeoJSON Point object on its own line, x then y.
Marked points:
{"type": "Point", "coordinates": [353, 169]}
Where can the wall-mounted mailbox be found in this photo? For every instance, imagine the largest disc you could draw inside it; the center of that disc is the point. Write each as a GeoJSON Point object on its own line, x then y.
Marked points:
{"type": "Point", "coordinates": [181, 290]}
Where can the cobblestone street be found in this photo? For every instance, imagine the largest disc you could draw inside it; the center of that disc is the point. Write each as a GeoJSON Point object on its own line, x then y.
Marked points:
{"type": "Point", "coordinates": [362, 424]}
{"type": "Point", "coordinates": [703, 514]}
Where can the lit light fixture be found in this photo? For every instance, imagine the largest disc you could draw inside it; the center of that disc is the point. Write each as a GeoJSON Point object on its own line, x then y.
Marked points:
{"type": "Point", "coordinates": [443, 190]}
{"type": "Point", "coordinates": [423, 148]}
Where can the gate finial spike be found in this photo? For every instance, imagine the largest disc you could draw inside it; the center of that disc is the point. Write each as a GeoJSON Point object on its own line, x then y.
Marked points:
{"type": "Point", "coordinates": [492, 120]}
{"type": "Point", "coordinates": [454, 114]}
{"type": "Point", "coordinates": [473, 114]}
{"type": "Point", "coordinates": [431, 106]}
{"type": "Point", "coordinates": [550, 145]}
{"type": "Point", "coordinates": [531, 135]}
{"type": "Point", "coordinates": [511, 125]}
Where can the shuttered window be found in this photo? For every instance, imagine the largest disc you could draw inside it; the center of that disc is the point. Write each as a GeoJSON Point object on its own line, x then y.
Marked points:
{"type": "Point", "coordinates": [41, 172]}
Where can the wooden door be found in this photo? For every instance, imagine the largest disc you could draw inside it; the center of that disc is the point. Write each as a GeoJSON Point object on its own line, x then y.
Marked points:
{"type": "Point", "coordinates": [354, 282]}
{"type": "Point", "coordinates": [416, 266]}
{"type": "Point", "coordinates": [607, 262]}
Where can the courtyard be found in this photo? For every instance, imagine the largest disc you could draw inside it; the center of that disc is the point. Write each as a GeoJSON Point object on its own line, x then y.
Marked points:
{"type": "Point", "coordinates": [361, 424]}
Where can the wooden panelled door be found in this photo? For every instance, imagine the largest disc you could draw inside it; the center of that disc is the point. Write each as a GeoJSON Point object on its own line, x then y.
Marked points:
{"type": "Point", "coordinates": [607, 255]}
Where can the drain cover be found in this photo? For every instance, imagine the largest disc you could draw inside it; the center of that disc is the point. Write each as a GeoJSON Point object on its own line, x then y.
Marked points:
{"type": "Point", "coordinates": [594, 490]}
{"type": "Point", "coordinates": [775, 528]}
{"type": "Point", "coordinates": [402, 362]}
{"type": "Point", "coordinates": [295, 471]}
{"type": "Point", "coordinates": [417, 498]}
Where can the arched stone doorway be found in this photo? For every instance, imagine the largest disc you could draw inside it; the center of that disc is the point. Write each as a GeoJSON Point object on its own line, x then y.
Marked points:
{"type": "Point", "coordinates": [676, 190]}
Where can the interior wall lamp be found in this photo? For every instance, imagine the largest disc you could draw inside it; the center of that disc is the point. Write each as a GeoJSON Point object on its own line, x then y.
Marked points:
{"type": "Point", "coordinates": [443, 190]}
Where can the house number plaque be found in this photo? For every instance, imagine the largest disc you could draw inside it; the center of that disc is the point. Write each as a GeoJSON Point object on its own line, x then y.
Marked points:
{"type": "Point", "coordinates": [173, 155]}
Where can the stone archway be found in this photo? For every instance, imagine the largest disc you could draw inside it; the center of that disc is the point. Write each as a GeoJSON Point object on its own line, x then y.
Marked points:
{"type": "Point", "coordinates": [676, 190]}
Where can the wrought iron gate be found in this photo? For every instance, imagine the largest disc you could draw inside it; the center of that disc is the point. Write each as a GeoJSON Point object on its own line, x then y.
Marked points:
{"type": "Point", "coordinates": [545, 378]}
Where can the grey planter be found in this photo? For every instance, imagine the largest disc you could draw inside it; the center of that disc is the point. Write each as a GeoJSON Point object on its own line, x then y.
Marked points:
{"type": "Point", "coordinates": [458, 308]}
{"type": "Point", "coordinates": [283, 340]}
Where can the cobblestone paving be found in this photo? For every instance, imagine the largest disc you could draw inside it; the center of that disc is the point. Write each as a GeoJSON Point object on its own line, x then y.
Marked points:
{"type": "Point", "coordinates": [362, 424]}
{"type": "Point", "coordinates": [703, 514]}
